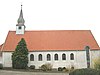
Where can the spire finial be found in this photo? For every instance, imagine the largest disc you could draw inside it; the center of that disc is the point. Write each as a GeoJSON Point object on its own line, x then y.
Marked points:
{"type": "Point", "coordinates": [21, 6]}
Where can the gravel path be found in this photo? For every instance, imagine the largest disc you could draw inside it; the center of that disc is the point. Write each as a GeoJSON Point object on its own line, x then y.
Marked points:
{"type": "Point", "coordinates": [4, 72]}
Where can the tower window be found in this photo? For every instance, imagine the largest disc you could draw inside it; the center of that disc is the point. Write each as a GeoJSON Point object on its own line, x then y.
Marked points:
{"type": "Point", "coordinates": [19, 27]}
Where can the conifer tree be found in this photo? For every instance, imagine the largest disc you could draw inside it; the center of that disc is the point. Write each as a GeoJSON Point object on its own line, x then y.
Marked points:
{"type": "Point", "coordinates": [20, 55]}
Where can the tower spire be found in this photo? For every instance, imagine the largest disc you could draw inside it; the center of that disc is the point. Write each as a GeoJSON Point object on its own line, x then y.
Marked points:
{"type": "Point", "coordinates": [20, 27]}
{"type": "Point", "coordinates": [21, 20]}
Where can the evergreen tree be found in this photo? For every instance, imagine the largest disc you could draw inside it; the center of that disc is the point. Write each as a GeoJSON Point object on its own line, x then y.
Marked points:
{"type": "Point", "coordinates": [20, 55]}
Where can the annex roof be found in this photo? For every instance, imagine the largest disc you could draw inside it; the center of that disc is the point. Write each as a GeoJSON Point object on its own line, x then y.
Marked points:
{"type": "Point", "coordinates": [52, 40]}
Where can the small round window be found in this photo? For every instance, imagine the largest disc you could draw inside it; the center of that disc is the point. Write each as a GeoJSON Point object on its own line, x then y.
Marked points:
{"type": "Point", "coordinates": [19, 27]}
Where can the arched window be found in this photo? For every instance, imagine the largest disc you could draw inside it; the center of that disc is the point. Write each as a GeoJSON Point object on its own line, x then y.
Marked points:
{"type": "Point", "coordinates": [63, 56]}
{"type": "Point", "coordinates": [48, 57]}
{"type": "Point", "coordinates": [87, 48]}
{"type": "Point", "coordinates": [31, 57]}
{"type": "Point", "coordinates": [56, 56]}
{"type": "Point", "coordinates": [40, 57]}
{"type": "Point", "coordinates": [71, 56]}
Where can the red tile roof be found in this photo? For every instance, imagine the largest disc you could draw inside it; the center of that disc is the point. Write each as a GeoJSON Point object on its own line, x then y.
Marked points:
{"type": "Point", "coordinates": [52, 40]}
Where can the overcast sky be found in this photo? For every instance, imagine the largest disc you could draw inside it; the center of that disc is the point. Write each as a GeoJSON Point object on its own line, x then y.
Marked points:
{"type": "Point", "coordinates": [51, 15]}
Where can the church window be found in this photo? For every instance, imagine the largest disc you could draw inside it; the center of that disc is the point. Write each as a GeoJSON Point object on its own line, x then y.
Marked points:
{"type": "Point", "coordinates": [63, 56]}
{"type": "Point", "coordinates": [19, 27]}
{"type": "Point", "coordinates": [40, 57]}
{"type": "Point", "coordinates": [48, 57]}
{"type": "Point", "coordinates": [56, 56]}
{"type": "Point", "coordinates": [87, 48]}
{"type": "Point", "coordinates": [71, 56]}
{"type": "Point", "coordinates": [31, 57]}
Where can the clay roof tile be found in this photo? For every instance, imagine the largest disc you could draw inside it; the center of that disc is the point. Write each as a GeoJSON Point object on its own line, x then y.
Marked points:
{"type": "Point", "coordinates": [52, 40]}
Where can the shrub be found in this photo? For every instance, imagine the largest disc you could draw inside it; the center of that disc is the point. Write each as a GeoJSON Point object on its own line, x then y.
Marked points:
{"type": "Point", "coordinates": [67, 70]}
{"type": "Point", "coordinates": [1, 66]}
{"type": "Point", "coordinates": [72, 68]}
{"type": "Point", "coordinates": [97, 64]}
{"type": "Point", "coordinates": [49, 66]}
{"type": "Point", "coordinates": [43, 68]}
{"type": "Point", "coordinates": [64, 68]}
{"type": "Point", "coordinates": [46, 67]}
{"type": "Point", "coordinates": [32, 67]}
{"type": "Point", "coordinates": [85, 72]}
{"type": "Point", "coordinates": [60, 68]}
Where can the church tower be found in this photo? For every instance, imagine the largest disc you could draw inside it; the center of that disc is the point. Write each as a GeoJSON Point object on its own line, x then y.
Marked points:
{"type": "Point", "coordinates": [20, 27]}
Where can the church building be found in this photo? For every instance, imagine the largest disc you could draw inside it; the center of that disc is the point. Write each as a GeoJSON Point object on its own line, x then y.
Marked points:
{"type": "Point", "coordinates": [61, 48]}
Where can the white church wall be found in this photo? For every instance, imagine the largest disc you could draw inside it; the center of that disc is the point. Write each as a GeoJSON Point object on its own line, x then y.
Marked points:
{"type": "Point", "coordinates": [6, 60]}
{"type": "Point", "coordinates": [78, 62]}
{"type": "Point", "coordinates": [81, 59]}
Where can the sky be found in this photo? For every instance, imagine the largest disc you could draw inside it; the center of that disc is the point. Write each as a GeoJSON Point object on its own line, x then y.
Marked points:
{"type": "Point", "coordinates": [51, 15]}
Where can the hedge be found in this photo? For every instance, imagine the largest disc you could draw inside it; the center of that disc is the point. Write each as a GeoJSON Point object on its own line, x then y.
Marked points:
{"type": "Point", "coordinates": [85, 72]}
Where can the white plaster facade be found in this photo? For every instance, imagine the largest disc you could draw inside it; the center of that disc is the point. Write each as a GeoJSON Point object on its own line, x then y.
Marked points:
{"type": "Point", "coordinates": [78, 62]}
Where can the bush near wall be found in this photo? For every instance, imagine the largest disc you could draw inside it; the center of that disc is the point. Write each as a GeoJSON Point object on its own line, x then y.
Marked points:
{"type": "Point", "coordinates": [1, 66]}
{"type": "Point", "coordinates": [64, 69]}
{"type": "Point", "coordinates": [60, 68]}
{"type": "Point", "coordinates": [32, 67]}
{"type": "Point", "coordinates": [97, 64]}
{"type": "Point", "coordinates": [46, 67]}
{"type": "Point", "coordinates": [85, 72]}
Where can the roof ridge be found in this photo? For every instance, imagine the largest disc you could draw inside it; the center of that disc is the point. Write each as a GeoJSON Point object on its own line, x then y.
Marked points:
{"type": "Point", "coordinates": [49, 30]}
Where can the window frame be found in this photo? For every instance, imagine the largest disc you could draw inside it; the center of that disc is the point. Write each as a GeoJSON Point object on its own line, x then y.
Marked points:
{"type": "Point", "coordinates": [56, 57]}
{"type": "Point", "coordinates": [63, 56]}
{"type": "Point", "coordinates": [31, 57]}
{"type": "Point", "coordinates": [72, 56]}
{"type": "Point", "coordinates": [40, 57]}
{"type": "Point", "coordinates": [48, 57]}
